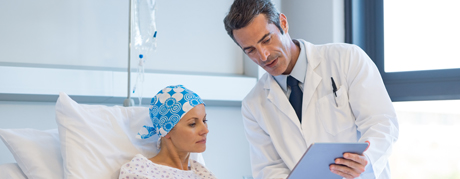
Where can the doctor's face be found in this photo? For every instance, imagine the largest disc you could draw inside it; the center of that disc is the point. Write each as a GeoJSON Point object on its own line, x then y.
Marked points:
{"type": "Point", "coordinates": [265, 45]}
{"type": "Point", "coordinates": [189, 134]}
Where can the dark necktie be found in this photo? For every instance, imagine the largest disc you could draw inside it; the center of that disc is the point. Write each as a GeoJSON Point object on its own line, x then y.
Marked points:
{"type": "Point", "coordinates": [296, 96]}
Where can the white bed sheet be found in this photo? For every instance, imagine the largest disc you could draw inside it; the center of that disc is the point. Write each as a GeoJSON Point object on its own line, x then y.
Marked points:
{"type": "Point", "coordinates": [11, 171]}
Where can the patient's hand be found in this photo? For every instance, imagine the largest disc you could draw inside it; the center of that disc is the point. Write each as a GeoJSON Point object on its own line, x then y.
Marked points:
{"type": "Point", "coordinates": [350, 166]}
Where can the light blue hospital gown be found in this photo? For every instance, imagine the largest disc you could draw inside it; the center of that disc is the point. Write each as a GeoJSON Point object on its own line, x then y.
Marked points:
{"type": "Point", "coordinates": [142, 168]}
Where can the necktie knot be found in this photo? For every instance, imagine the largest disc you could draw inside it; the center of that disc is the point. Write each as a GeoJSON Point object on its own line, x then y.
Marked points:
{"type": "Point", "coordinates": [291, 81]}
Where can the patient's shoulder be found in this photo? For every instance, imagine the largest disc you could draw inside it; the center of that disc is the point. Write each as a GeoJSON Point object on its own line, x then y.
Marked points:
{"type": "Point", "coordinates": [138, 159]}
{"type": "Point", "coordinates": [139, 165]}
{"type": "Point", "coordinates": [200, 169]}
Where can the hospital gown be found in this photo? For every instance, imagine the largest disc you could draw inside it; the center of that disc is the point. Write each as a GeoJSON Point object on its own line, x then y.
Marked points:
{"type": "Point", "coordinates": [142, 168]}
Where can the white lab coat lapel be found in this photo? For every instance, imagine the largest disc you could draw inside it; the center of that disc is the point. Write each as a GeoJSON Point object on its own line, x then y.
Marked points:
{"type": "Point", "coordinates": [312, 79]}
{"type": "Point", "coordinates": [277, 97]}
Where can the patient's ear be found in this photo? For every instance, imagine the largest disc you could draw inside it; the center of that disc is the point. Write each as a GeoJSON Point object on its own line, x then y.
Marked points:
{"type": "Point", "coordinates": [167, 136]}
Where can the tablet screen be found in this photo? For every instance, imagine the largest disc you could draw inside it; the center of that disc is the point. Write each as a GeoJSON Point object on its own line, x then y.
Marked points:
{"type": "Point", "coordinates": [316, 160]}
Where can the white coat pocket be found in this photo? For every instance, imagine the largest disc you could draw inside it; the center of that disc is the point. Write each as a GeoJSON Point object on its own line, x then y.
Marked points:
{"type": "Point", "coordinates": [334, 112]}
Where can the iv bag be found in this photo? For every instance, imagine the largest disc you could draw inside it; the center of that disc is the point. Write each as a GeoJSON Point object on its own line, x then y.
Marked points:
{"type": "Point", "coordinates": [144, 26]}
{"type": "Point", "coordinates": [145, 32]}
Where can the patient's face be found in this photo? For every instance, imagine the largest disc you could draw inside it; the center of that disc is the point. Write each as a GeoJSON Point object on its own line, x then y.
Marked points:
{"type": "Point", "coordinates": [189, 134]}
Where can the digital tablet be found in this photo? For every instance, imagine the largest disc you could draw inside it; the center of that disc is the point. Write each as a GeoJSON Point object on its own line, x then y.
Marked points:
{"type": "Point", "coordinates": [316, 160]}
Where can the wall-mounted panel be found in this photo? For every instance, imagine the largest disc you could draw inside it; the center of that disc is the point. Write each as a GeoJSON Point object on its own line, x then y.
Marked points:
{"type": "Point", "coordinates": [93, 86]}
{"type": "Point", "coordinates": [89, 34]}
{"type": "Point", "coordinates": [318, 22]}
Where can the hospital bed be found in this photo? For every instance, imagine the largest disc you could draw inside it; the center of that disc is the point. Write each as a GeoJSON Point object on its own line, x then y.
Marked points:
{"type": "Point", "coordinates": [91, 141]}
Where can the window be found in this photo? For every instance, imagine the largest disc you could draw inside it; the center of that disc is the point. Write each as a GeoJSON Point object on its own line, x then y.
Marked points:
{"type": "Point", "coordinates": [364, 25]}
{"type": "Point", "coordinates": [424, 91]}
{"type": "Point", "coordinates": [427, 147]}
{"type": "Point", "coordinates": [421, 35]}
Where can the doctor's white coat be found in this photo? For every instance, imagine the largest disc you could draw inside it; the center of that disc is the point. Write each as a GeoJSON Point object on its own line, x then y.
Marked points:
{"type": "Point", "coordinates": [362, 111]}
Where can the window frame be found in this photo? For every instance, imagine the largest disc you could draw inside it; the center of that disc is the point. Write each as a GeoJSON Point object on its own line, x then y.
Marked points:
{"type": "Point", "coordinates": [364, 26]}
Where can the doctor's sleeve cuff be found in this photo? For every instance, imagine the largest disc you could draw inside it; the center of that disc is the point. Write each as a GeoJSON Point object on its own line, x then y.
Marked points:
{"type": "Point", "coordinates": [368, 170]}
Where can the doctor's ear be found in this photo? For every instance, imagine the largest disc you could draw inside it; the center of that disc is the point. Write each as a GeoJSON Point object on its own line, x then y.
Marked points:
{"type": "Point", "coordinates": [284, 23]}
{"type": "Point", "coordinates": [167, 136]}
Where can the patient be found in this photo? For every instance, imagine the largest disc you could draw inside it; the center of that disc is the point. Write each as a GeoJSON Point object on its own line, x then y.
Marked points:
{"type": "Point", "coordinates": [179, 121]}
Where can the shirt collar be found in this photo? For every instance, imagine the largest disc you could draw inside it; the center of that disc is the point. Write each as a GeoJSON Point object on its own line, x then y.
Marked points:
{"type": "Point", "coordinates": [299, 70]}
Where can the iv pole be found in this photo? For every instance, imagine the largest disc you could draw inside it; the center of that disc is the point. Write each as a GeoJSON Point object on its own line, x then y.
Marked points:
{"type": "Point", "coordinates": [128, 101]}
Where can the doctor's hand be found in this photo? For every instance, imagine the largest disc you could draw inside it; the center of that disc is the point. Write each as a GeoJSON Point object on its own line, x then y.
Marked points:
{"type": "Point", "coordinates": [350, 166]}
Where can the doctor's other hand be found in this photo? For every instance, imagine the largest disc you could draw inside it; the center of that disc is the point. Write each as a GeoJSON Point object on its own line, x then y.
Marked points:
{"type": "Point", "coordinates": [350, 166]}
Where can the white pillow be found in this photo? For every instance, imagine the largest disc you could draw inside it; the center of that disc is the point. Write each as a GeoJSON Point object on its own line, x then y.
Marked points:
{"type": "Point", "coordinates": [11, 171]}
{"type": "Point", "coordinates": [97, 140]}
{"type": "Point", "coordinates": [37, 152]}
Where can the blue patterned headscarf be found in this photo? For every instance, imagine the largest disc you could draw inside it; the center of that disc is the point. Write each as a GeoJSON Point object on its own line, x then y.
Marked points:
{"type": "Point", "coordinates": [167, 108]}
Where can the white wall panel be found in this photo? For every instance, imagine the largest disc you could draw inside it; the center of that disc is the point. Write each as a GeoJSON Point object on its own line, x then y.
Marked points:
{"type": "Point", "coordinates": [50, 81]}
{"type": "Point", "coordinates": [87, 34]}
{"type": "Point", "coordinates": [76, 33]}
{"type": "Point", "coordinates": [107, 84]}
{"type": "Point", "coordinates": [192, 37]}
{"type": "Point", "coordinates": [318, 22]}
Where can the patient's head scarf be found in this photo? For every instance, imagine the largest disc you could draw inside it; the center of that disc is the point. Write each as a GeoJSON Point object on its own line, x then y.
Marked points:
{"type": "Point", "coordinates": [167, 108]}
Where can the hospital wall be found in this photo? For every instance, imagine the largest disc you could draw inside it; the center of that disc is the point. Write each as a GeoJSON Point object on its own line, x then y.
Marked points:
{"type": "Point", "coordinates": [89, 34]}
{"type": "Point", "coordinates": [191, 41]}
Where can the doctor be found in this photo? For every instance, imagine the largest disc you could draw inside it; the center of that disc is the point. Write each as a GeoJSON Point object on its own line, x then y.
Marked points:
{"type": "Point", "coordinates": [310, 93]}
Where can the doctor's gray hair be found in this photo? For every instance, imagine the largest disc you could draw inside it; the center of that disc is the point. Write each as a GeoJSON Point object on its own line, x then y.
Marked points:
{"type": "Point", "coordinates": [242, 12]}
